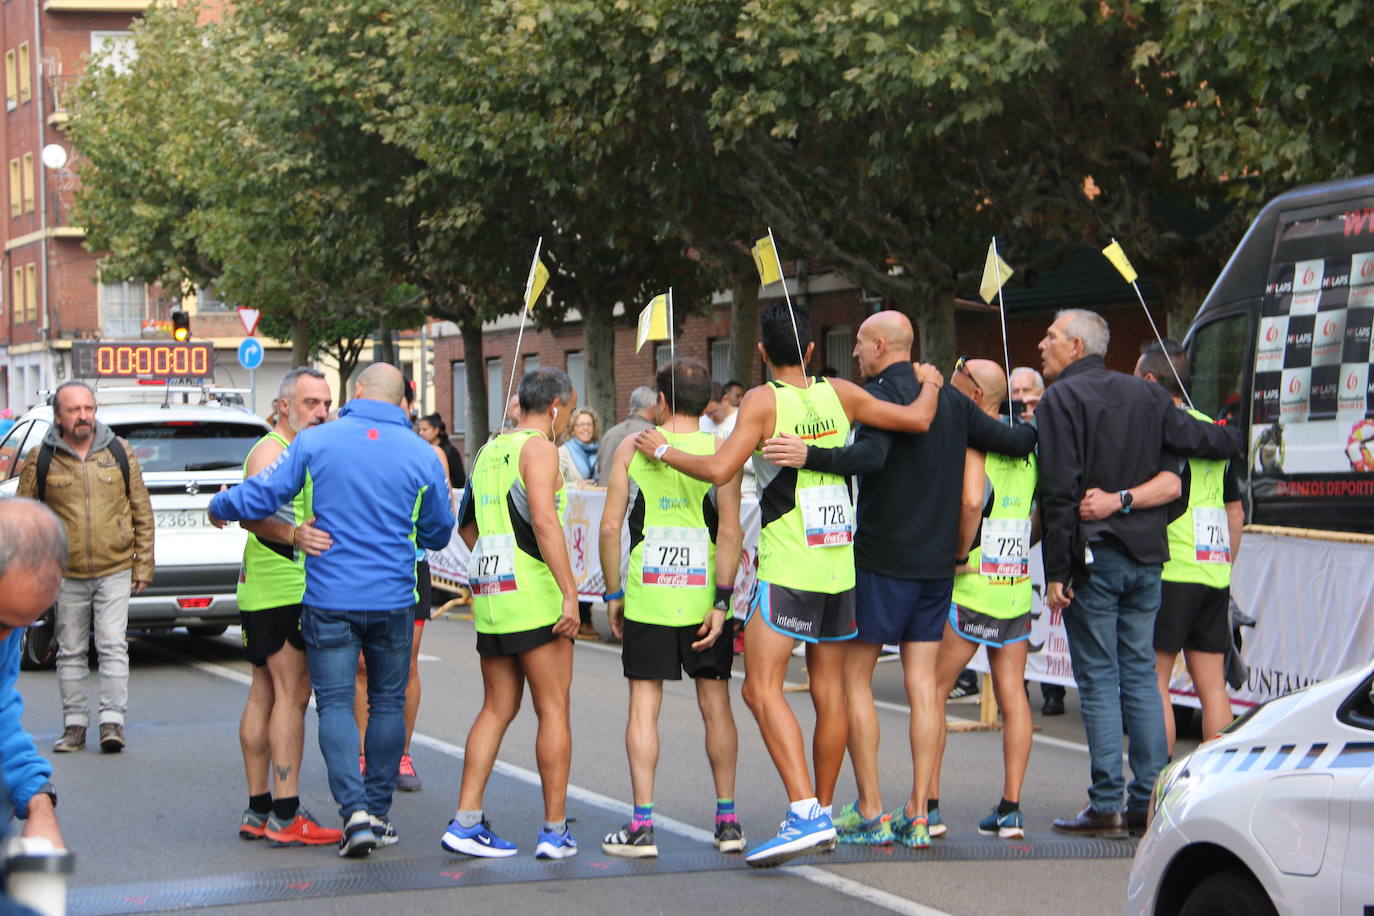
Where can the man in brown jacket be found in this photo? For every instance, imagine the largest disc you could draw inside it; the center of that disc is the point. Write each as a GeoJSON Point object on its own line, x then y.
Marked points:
{"type": "Point", "coordinates": [109, 523]}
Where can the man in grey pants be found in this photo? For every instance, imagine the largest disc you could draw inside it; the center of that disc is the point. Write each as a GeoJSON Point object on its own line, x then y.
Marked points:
{"type": "Point", "coordinates": [91, 481]}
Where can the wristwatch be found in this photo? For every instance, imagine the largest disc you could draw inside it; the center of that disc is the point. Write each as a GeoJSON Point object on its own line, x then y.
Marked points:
{"type": "Point", "coordinates": [659, 452]}
{"type": "Point", "coordinates": [1126, 500]}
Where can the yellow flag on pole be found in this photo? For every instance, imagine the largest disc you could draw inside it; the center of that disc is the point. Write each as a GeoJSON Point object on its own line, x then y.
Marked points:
{"type": "Point", "coordinates": [766, 260]}
{"type": "Point", "coordinates": [539, 275]}
{"type": "Point", "coordinates": [653, 322]}
{"type": "Point", "coordinates": [995, 273]}
{"type": "Point", "coordinates": [1117, 256]}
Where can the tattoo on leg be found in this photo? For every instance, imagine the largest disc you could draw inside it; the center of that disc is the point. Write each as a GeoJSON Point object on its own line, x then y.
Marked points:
{"type": "Point", "coordinates": [283, 772]}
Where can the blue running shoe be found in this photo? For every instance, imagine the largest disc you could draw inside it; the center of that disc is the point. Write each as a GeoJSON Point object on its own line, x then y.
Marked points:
{"type": "Point", "coordinates": [477, 840]}
{"type": "Point", "coordinates": [937, 826]}
{"type": "Point", "coordinates": [555, 845]}
{"type": "Point", "coordinates": [798, 836]}
{"type": "Point", "coordinates": [910, 831]}
{"type": "Point", "coordinates": [1007, 826]}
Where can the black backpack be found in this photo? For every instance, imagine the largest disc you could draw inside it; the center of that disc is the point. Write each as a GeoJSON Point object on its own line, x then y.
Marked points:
{"type": "Point", "coordinates": [47, 449]}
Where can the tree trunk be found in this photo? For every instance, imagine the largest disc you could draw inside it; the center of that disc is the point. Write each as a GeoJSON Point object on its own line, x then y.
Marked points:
{"type": "Point", "coordinates": [598, 330]}
{"type": "Point", "coordinates": [475, 368]}
{"type": "Point", "coordinates": [744, 328]}
{"type": "Point", "coordinates": [935, 324]}
{"type": "Point", "coordinates": [300, 341]}
{"type": "Point", "coordinates": [387, 343]}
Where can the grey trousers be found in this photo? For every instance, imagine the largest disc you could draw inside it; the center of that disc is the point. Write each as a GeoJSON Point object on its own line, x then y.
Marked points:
{"type": "Point", "coordinates": [104, 603]}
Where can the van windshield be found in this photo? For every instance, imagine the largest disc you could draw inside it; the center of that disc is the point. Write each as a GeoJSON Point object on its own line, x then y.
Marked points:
{"type": "Point", "coordinates": [188, 445]}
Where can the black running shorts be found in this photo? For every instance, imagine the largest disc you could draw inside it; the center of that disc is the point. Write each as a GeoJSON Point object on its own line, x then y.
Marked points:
{"type": "Point", "coordinates": [267, 630]}
{"type": "Point", "coordinates": [501, 645]}
{"type": "Point", "coordinates": [654, 652]}
{"type": "Point", "coordinates": [808, 616]}
{"type": "Point", "coordinates": [1193, 616]}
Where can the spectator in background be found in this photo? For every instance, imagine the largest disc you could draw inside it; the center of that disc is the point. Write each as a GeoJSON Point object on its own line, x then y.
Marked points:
{"type": "Point", "coordinates": [707, 421]}
{"type": "Point", "coordinates": [432, 429]}
{"type": "Point", "coordinates": [578, 462]}
{"type": "Point", "coordinates": [6, 421]}
{"type": "Point", "coordinates": [734, 392]}
{"type": "Point", "coordinates": [641, 418]}
{"type": "Point", "coordinates": [1026, 387]}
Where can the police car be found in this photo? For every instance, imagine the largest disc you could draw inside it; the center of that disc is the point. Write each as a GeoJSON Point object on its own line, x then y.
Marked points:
{"type": "Point", "coordinates": [186, 452]}
{"type": "Point", "coordinates": [1275, 815]}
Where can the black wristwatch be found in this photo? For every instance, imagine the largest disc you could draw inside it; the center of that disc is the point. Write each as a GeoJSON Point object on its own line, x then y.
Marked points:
{"type": "Point", "coordinates": [1126, 500]}
{"type": "Point", "coordinates": [49, 790]}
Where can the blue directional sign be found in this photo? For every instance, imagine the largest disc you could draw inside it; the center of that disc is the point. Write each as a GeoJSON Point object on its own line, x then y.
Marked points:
{"type": "Point", "coordinates": [250, 353]}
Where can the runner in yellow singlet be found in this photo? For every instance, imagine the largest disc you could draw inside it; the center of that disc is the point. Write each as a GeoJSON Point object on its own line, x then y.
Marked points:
{"type": "Point", "coordinates": [524, 606]}
{"type": "Point", "coordinates": [806, 565]}
{"type": "Point", "coordinates": [675, 604]}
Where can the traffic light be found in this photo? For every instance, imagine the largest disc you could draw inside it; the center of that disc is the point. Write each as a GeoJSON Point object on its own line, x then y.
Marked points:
{"type": "Point", "coordinates": [181, 325]}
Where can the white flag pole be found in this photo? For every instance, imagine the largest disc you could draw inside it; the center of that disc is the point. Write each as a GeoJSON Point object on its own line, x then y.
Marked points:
{"type": "Point", "coordinates": [672, 353]}
{"type": "Point", "coordinates": [524, 310]}
{"type": "Point", "coordinates": [1169, 359]}
{"type": "Point", "coordinates": [796, 336]}
{"type": "Point", "coordinates": [1002, 311]}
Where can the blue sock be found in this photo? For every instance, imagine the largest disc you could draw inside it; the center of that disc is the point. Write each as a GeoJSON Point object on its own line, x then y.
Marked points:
{"type": "Point", "coordinates": [643, 816]}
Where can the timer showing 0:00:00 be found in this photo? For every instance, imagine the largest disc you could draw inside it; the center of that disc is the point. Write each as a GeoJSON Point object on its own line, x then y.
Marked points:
{"type": "Point", "coordinates": [142, 359]}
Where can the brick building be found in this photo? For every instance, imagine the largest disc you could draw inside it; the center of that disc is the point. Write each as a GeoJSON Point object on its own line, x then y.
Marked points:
{"type": "Point", "coordinates": [1085, 280]}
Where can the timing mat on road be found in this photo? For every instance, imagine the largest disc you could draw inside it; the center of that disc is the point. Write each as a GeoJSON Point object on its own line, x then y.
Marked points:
{"type": "Point", "coordinates": [321, 874]}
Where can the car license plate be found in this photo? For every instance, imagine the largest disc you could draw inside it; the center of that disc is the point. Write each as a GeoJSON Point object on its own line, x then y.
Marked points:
{"type": "Point", "coordinates": [181, 518]}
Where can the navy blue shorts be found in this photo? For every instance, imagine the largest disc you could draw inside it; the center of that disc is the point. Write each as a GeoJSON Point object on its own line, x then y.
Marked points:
{"type": "Point", "coordinates": [891, 611]}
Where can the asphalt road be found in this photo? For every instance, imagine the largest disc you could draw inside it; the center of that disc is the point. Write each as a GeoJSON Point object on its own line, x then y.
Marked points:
{"type": "Point", "coordinates": [155, 827]}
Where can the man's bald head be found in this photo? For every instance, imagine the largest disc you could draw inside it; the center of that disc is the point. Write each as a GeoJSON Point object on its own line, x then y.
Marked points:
{"type": "Point", "coordinates": [381, 382]}
{"type": "Point", "coordinates": [984, 382]}
{"type": "Point", "coordinates": [33, 554]}
{"type": "Point", "coordinates": [883, 339]}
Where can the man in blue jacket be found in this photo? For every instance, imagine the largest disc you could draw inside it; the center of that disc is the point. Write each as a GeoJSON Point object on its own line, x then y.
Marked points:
{"type": "Point", "coordinates": [33, 553]}
{"type": "Point", "coordinates": [379, 491]}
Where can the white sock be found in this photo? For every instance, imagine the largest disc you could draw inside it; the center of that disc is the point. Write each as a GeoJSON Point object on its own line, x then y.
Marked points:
{"type": "Point", "coordinates": [807, 808]}
{"type": "Point", "coordinates": [828, 810]}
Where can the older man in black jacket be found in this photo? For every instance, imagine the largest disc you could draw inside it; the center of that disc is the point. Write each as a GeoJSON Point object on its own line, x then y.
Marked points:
{"type": "Point", "coordinates": [1106, 435]}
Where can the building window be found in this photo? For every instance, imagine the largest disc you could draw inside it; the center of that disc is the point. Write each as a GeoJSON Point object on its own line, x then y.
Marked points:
{"type": "Point", "coordinates": [11, 86]}
{"type": "Point", "coordinates": [30, 292]}
{"type": "Point", "coordinates": [722, 356]}
{"type": "Point", "coordinates": [18, 293]}
{"type": "Point", "coordinates": [16, 194]}
{"type": "Point", "coordinates": [460, 398]}
{"type": "Point", "coordinates": [663, 354]}
{"type": "Point", "coordinates": [208, 300]}
{"type": "Point", "coordinates": [27, 178]}
{"type": "Point", "coordinates": [496, 394]}
{"type": "Point", "coordinates": [577, 371]}
{"type": "Point", "coordinates": [123, 307]}
{"type": "Point", "coordinates": [116, 50]}
{"type": "Point", "coordinates": [25, 78]}
{"type": "Point", "coordinates": [530, 364]}
{"type": "Point", "coordinates": [839, 351]}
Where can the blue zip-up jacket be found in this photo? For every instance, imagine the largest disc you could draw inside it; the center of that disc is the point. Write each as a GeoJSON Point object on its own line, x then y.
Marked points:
{"type": "Point", "coordinates": [379, 491]}
{"type": "Point", "coordinates": [24, 770]}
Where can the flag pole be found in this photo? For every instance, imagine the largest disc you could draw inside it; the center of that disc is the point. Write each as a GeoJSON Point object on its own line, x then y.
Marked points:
{"type": "Point", "coordinates": [1167, 358]}
{"type": "Point", "coordinates": [672, 354]}
{"type": "Point", "coordinates": [524, 310]}
{"type": "Point", "coordinates": [1002, 312]}
{"type": "Point", "coordinates": [796, 336]}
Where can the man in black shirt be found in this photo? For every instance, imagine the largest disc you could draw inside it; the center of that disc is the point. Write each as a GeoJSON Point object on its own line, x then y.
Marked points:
{"type": "Point", "coordinates": [1108, 431]}
{"type": "Point", "coordinates": [906, 536]}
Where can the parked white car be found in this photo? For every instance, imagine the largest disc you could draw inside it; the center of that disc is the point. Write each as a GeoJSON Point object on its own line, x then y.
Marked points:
{"type": "Point", "coordinates": [186, 453]}
{"type": "Point", "coordinates": [1275, 815]}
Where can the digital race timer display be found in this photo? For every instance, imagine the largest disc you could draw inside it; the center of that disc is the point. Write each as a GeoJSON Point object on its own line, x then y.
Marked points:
{"type": "Point", "coordinates": [154, 359]}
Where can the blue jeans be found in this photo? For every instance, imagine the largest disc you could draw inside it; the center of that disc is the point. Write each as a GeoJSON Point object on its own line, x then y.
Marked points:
{"type": "Point", "coordinates": [333, 640]}
{"type": "Point", "coordinates": [1111, 627]}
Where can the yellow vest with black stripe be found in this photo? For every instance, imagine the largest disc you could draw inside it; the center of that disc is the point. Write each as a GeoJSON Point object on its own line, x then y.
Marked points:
{"type": "Point", "coordinates": [501, 509]}
{"type": "Point", "coordinates": [1205, 491]}
{"type": "Point", "coordinates": [273, 575]}
{"type": "Point", "coordinates": [816, 415]}
{"type": "Point", "coordinates": [1013, 483]}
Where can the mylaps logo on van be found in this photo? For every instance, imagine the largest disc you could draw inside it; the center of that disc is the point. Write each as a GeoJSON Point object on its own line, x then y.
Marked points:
{"type": "Point", "coordinates": [1299, 340]}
